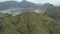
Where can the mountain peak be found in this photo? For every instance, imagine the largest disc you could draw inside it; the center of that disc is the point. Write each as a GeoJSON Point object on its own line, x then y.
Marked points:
{"type": "Point", "coordinates": [24, 0]}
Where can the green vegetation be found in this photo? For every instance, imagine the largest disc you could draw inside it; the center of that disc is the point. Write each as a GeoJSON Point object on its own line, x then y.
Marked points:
{"type": "Point", "coordinates": [28, 23]}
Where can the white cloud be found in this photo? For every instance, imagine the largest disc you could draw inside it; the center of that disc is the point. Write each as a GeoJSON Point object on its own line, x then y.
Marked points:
{"type": "Point", "coordinates": [45, 1]}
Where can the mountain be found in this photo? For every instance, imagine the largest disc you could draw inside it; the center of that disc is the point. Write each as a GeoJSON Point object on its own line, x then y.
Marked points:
{"type": "Point", "coordinates": [14, 7]}
{"type": "Point", "coordinates": [50, 10]}
{"type": "Point", "coordinates": [23, 4]}
{"type": "Point", "coordinates": [28, 23]}
{"type": "Point", "coordinates": [26, 4]}
{"type": "Point", "coordinates": [8, 4]}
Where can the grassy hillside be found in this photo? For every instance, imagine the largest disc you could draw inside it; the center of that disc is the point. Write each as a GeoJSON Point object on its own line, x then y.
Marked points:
{"type": "Point", "coordinates": [29, 23]}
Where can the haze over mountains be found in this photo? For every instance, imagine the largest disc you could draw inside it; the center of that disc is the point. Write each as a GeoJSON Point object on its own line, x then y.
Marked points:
{"type": "Point", "coordinates": [12, 7]}
{"type": "Point", "coordinates": [29, 18]}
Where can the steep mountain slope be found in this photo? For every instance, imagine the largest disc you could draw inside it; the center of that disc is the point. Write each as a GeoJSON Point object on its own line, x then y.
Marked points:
{"type": "Point", "coordinates": [51, 11]}
{"type": "Point", "coordinates": [27, 23]}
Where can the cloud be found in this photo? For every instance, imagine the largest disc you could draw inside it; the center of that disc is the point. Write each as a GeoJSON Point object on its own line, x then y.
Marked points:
{"type": "Point", "coordinates": [45, 1]}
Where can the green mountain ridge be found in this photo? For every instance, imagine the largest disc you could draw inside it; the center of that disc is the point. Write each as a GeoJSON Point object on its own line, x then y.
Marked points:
{"type": "Point", "coordinates": [28, 23]}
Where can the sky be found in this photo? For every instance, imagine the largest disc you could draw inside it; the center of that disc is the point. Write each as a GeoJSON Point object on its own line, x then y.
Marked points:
{"type": "Point", "coordinates": [55, 2]}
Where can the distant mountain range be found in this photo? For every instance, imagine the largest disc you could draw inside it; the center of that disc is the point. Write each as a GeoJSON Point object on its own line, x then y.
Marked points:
{"type": "Point", "coordinates": [14, 7]}
{"type": "Point", "coordinates": [23, 4]}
